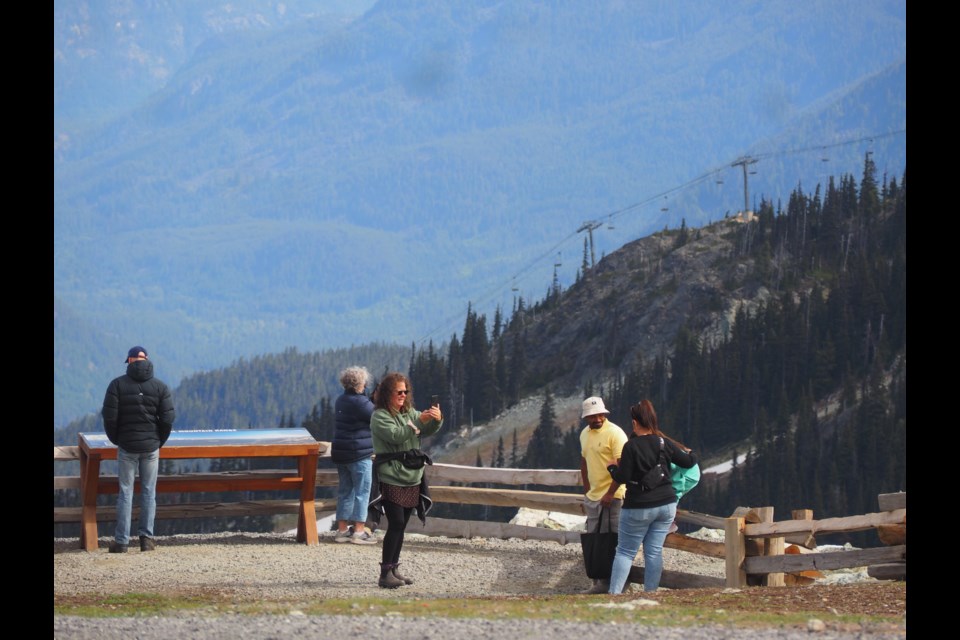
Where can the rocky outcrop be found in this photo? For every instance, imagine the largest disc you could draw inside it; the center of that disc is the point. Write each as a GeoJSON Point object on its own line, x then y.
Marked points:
{"type": "Point", "coordinates": [630, 306]}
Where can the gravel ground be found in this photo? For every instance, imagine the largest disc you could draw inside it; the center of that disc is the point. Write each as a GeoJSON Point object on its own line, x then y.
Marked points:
{"type": "Point", "coordinates": [273, 566]}
{"type": "Point", "coordinates": [262, 567]}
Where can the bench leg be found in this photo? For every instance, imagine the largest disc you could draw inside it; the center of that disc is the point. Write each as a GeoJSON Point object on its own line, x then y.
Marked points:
{"type": "Point", "coordinates": [307, 521]}
{"type": "Point", "coordinates": [89, 479]}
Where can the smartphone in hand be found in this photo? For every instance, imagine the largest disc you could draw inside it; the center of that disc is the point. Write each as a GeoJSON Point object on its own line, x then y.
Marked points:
{"type": "Point", "coordinates": [434, 401]}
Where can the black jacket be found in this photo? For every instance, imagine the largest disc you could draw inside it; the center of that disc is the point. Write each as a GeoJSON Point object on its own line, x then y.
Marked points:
{"type": "Point", "coordinates": [351, 430]}
{"type": "Point", "coordinates": [138, 411]}
{"type": "Point", "coordinates": [639, 455]}
{"type": "Point", "coordinates": [375, 509]}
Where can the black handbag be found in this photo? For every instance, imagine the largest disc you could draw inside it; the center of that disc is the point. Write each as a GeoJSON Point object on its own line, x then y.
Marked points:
{"type": "Point", "coordinates": [599, 549]}
{"type": "Point", "coordinates": [658, 473]}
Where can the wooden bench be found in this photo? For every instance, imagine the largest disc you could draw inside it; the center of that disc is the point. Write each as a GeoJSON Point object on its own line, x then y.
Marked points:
{"type": "Point", "coordinates": [242, 443]}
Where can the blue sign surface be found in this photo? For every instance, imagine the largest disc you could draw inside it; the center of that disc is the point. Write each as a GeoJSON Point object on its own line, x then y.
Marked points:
{"type": "Point", "coordinates": [213, 437]}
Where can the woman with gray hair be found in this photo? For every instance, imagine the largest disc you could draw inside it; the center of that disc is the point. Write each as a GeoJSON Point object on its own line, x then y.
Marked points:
{"type": "Point", "coordinates": [352, 452]}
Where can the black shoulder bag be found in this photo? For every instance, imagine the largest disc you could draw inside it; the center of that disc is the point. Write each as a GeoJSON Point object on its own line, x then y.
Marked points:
{"type": "Point", "coordinates": [657, 473]}
{"type": "Point", "coordinates": [599, 549]}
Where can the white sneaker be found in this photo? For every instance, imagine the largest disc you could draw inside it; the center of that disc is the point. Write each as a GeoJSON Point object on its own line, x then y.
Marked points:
{"type": "Point", "coordinates": [363, 538]}
{"type": "Point", "coordinates": [344, 536]}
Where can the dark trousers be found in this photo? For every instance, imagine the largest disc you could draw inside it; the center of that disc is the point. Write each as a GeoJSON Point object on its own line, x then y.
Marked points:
{"type": "Point", "coordinates": [397, 518]}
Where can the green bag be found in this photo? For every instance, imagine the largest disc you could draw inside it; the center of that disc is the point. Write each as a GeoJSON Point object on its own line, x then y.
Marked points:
{"type": "Point", "coordinates": [684, 479]}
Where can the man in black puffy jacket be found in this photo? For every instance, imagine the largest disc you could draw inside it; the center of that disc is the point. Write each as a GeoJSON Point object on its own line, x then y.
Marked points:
{"type": "Point", "coordinates": [138, 415]}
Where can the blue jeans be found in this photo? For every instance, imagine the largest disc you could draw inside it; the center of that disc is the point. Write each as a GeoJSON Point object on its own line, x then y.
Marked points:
{"type": "Point", "coordinates": [353, 492]}
{"type": "Point", "coordinates": [128, 464]}
{"type": "Point", "coordinates": [641, 526]}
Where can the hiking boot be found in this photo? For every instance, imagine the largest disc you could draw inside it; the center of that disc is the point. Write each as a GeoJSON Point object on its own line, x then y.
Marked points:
{"type": "Point", "coordinates": [397, 575]}
{"type": "Point", "coordinates": [363, 537]}
{"type": "Point", "coordinates": [147, 544]}
{"type": "Point", "coordinates": [116, 547]}
{"type": "Point", "coordinates": [344, 536]}
{"type": "Point", "coordinates": [387, 579]}
{"type": "Point", "coordinates": [599, 586]}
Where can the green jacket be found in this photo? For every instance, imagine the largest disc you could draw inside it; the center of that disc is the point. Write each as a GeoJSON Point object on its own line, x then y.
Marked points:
{"type": "Point", "coordinates": [392, 434]}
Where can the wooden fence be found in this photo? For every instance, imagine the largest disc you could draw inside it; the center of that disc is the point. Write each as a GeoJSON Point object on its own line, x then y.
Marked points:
{"type": "Point", "coordinates": [757, 549]}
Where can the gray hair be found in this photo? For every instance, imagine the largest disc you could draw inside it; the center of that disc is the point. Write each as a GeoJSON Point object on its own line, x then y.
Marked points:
{"type": "Point", "coordinates": [355, 378]}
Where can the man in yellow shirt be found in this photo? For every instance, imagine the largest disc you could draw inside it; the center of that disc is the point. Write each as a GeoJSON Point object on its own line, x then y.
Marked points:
{"type": "Point", "coordinates": [600, 442]}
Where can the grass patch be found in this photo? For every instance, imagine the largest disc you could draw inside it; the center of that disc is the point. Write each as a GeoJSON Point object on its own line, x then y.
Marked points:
{"type": "Point", "coordinates": [131, 604]}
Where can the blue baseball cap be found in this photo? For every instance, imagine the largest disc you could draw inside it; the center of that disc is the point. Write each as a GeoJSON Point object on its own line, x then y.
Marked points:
{"type": "Point", "coordinates": [135, 353]}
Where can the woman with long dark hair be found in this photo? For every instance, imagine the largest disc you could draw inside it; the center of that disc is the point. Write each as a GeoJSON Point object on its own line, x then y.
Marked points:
{"type": "Point", "coordinates": [397, 428]}
{"type": "Point", "coordinates": [650, 504]}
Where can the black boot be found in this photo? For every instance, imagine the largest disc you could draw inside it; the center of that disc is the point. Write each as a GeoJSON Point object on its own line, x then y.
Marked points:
{"type": "Point", "coordinates": [397, 575]}
{"type": "Point", "coordinates": [387, 579]}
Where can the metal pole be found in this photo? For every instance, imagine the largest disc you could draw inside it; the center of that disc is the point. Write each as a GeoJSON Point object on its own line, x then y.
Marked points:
{"type": "Point", "coordinates": [589, 226]}
{"type": "Point", "coordinates": [743, 162]}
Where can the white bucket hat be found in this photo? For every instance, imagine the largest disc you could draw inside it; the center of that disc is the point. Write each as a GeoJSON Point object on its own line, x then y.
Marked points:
{"type": "Point", "coordinates": [592, 406]}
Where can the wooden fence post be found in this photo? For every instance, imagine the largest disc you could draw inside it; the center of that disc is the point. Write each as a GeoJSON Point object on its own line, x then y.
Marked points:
{"type": "Point", "coordinates": [735, 547]}
{"type": "Point", "coordinates": [891, 535]}
{"type": "Point", "coordinates": [771, 547]}
{"type": "Point", "coordinates": [806, 540]}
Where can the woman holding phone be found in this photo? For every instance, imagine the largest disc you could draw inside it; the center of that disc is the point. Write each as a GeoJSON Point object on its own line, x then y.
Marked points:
{"type": "Point", "coordinates": [397, 429]}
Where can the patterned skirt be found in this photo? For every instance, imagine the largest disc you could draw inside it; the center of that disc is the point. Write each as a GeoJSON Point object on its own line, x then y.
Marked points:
{"type": "Point", "coordinates": [406, 497]}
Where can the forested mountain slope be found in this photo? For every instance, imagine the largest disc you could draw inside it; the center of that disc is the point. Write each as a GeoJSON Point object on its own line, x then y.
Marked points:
{"type": "Point", "coordinates": [782, 337]}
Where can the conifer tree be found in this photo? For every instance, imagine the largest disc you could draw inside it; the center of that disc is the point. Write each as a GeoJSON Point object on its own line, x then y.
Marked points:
{"type": "Point", "coordinates": [869, 201]}
{"type": "Point", "coordinates": [501, 376]}
{"type": "Point", "coordinates": [544, 446]}
{"type": "Point", "coordinates": [683, 236]}
{"type": "Point", "coordinates": [455, 380]}
{"type": "Point", "coordinates": [517, 368]}
{"type": "Point", "coordinates": [327, 419]}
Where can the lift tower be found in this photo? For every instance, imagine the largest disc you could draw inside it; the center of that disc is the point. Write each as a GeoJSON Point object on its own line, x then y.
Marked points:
{"type": "Point", "coordinates": [743, 162]}
{"type": "Point", "coordinates": [589, 226]}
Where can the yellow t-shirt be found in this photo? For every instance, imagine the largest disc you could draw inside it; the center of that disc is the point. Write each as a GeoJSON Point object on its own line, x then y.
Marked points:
{"type": "Point", "coordinates": [600, 447]}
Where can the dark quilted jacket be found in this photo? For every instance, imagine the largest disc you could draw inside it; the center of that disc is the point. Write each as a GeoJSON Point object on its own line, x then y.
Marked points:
{"type": "Point", "coordinates": [351, 430]}
{"type": "Point", "coordinates": [138, 411]}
